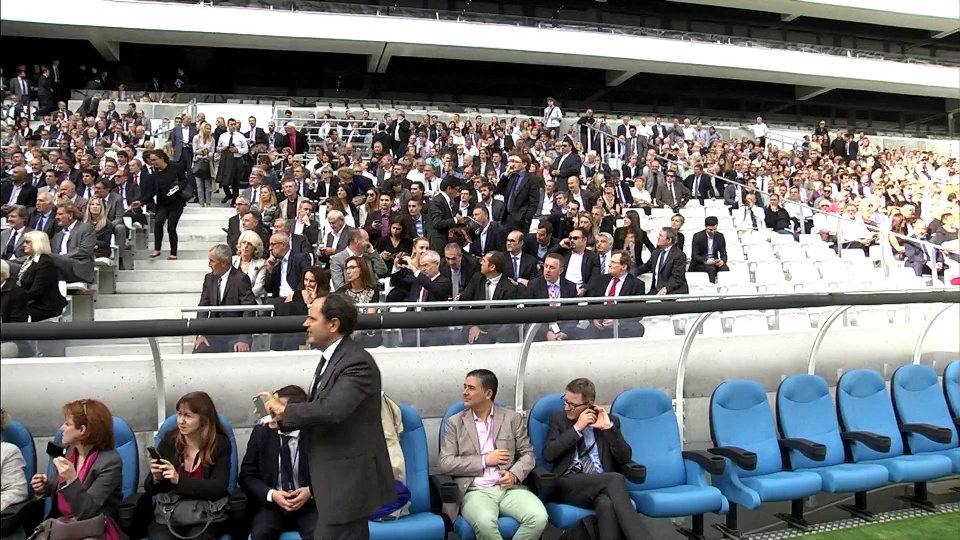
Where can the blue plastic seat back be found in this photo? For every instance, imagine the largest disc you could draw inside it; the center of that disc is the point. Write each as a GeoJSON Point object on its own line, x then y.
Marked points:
{"type": "Point", "coordinates": [18, 435]}
{"type": "Point", "coordinates": [539, 424]}
{"type": "Point", "coordinates": [413, 443]}
{"type": "Point", "coordinates": [649, 425]}
{"type": "Point", "coordinates": [126, 445]}
{"type": "Point", "coordinates": [740, 416]}
{"type": "Point", "coordinates": [864, 404]}
{"type": "Point", "coordinates": [171, 423]}
{"type": "Point", "coordinates": [951, 387]}
{"type": "Point", "coordinates": [805, 410]}
{"type": "Point", "coordinates": [918, 399]}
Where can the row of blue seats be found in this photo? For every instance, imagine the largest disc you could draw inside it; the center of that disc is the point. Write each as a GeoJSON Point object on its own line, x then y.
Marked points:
{"type": "Point", "coordinates": [871, 438]}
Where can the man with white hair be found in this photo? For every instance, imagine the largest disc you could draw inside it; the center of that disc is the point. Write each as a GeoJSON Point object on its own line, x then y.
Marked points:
{"type": "Point", "coordinates": [293, 139]}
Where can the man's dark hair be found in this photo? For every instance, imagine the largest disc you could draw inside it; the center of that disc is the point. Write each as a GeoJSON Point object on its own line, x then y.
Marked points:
{"type": "Point", "coordinates": [584, 387]}
{"type": "Point", "coordinates": [450, 182]}
{"type": "Point", "coordinates": [498, 260]}
{"type": "Point", "coordinates": [711, 221]}
{"type": "Point", "coordinates": [293, 393]}
{"type": "Point", "coordinates": [339, 306]}
{"type": "Point", "coordinates": [488, 380]}
{"type": "Point", "coordinates": [547, 226]}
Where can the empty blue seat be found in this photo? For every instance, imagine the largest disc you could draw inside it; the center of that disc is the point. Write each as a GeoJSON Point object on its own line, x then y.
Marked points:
{"type": "Point", "coordinates": [951, 387]}
{"type": "Point", "coordinates": [507, 525]}
{"type": "Point", "coordinates": [420, 524]}
{"type": "Point", "coordinates": [743, 431]}
{"type": "Point", "coordinates": [805, 410]}
{"type": "Point", "coordinates": [923, 415]}
{"type": "Point", "coordinates": [676, 483]}
{"type": "Point", "coordinates": [864, 405]}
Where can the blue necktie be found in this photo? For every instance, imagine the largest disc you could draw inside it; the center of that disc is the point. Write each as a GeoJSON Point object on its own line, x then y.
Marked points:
{"type": "Point", "coordinates": [514, 189]}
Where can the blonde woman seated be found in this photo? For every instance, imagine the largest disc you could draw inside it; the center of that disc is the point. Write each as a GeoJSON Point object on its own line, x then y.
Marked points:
{"type": "Point", "coordinates": [267, 204]}
{"type": "Point", "coordinates": [96, 216]}
{"type": "Point", "coordinates": [14, 484]}
{"type": "Point", "coordinates": [249, 260]}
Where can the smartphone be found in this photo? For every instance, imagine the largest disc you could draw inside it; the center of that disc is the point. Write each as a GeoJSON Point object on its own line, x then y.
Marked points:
{"type": "Point", "coordinates": [154, 455]}
{"type": "Point", "coordinates": [261, 403]}
{"type": "Point", "coordinates": [54, 450]}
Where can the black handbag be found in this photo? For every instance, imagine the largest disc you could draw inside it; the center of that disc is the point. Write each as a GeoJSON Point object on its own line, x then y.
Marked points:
{"type": "Point", "coordinates": [194, 515]}
{"type": "Point", "coordinates": [70, 529]}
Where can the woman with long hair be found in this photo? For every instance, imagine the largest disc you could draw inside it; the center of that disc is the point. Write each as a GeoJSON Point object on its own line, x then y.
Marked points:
{"type": "Point", "coordinates": [315, 283]}
{"type": "Point", "coordinates": [168, 193]}
{"type": "Point", "coordinates": [632, 238]}
{"type": "Point", "coordinates": [586, 222]}
{"type": "Point", "coordinates": [249, 260]}
{"type": "Point", "coordinates": [398, 241]}
{"type": "Point", "coordinates": [371, 203]}
{"type": "Point", "coordinates": [898, 225]}
{"type": "Point", "coordinates": [203, 146]}
{"type": "Point", "coordinates": [95, 216]}
{"type": "Point", "coordinates": [343, 202]}
{"type": "Point", "coordinates": [361, 286]}
{"type": "Point", "coordinates": [267, 204]}
{"type": "Point", "coordinates": [194, 464]}
{"type": "Point", "coordinates": [87, 480]}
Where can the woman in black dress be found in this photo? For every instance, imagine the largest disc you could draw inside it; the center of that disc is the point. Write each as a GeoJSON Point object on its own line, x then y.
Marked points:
{"type": "Point", "coordinates": [172, 191]}
{"type": "Point", "coordinates": [39, 278]}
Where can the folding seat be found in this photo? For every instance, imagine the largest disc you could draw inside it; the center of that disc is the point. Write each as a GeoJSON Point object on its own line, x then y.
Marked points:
{"type": "Point", "coordinates": [675, 484]}
{"type": "Point", "coordinates": [744, 432]}
{"type": "Point", "coordinates": [769, 273]}
{"type": "Point", "coordinates": [865, 406]}
{"type": "Point", "coordinates": [805, 411]}
{"type": "Point", "coordinates": [28, 514]}
{"type": "Point", "coordinates": [698, 278]}
{"type": "Point", "coordinates": [923, 414]}
{"type": "Point", "coordinates": [951, 387]}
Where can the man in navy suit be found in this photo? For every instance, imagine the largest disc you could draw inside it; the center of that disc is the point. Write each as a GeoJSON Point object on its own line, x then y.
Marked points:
{"type": "Point", "coordinates": [487, 235]}
{"type": "Point", "coordinates": [668, 264]}
{"type": "Point", "coordinates": [521, 191]}
{"type": "Point", "coordinates": [918, 256]}
{"type": "Point", "coordinates": [709, 250]}
{"type": "Point", "coordinates": [617, 282]}
{"type": "Point", "coordinates": [285, 267]}
{"type": "Point", "coordinates": [552, 284]}
{"type": "Point", "coordinates": [276, 478]}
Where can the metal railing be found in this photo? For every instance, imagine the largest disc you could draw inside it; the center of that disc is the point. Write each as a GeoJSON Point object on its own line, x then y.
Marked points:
{"type": "Point", "coordinates": [560, 24]}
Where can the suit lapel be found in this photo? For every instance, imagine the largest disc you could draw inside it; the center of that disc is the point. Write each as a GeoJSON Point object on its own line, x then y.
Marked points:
{"type": "Point", "coordinates": [469, 427]}
{"type": "Point", "coordinates": [332, 364]}
{"type": "Point", "coordinates": [499, 417]}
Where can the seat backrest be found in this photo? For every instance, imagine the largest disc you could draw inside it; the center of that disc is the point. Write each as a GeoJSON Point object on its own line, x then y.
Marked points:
{"type": "Point", "coordinates": [538, 424]}
{"type": "Point", "coordinates": [740, 416]}
{"type": "Point", "coordinates": [649, 425]}
{"type": "Point", "coordinates": [126, 445]}
{"type": "Point", "coordinates": [951, 387]}
{"type": "Point", "coordinates": [413, 443]}
{"type": "Point", "coordinates": [171, 423]}
{"type": "Point", "coordinates": [863, 403]}
{"type": "Point", "coordinates": [805, 411]}
{"type": "Point", "coordinates": [18, 435]}
{"type": "Point", "coordinates": [918, 399]}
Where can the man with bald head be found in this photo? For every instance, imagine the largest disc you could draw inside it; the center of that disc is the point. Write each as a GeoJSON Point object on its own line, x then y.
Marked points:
{"type": "Point", "coordinates": [18, 191]}
{"type": "Point", "coordinates": [68, 192]}
{"type": "Point", "coordinates": [285, 267]}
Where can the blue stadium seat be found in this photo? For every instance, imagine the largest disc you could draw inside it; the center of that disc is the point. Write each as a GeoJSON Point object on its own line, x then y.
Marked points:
{"type": "Point", "coordinates": [951, 387]}
{"type": "Point", "coordinates": [18, 435]}
{"type": "Point", "coordinates": [923, 414]}
{"type": "Point", "coordinates": [744, 432]}
{"type": "Point", "coordinates": [675, 484]}
{"type": "Point", "coordinates": [864, 406]}
{"type": "Point", "coordinates": [561, 516]}
{"type": "Point", "coordinates": [508, 526]}
{"type": "Point", "coordinates": [28, 513]}
{"type": "Point", "coordinates": [805, 411]}
{"type": "Point", "coordinates": [420, 524]}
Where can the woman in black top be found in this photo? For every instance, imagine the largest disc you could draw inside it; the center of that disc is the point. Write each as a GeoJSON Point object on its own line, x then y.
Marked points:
{"type": "Point", "coordinates": [169, 185]}
{"type": "Point", "coordinates": [39, 278]}
{"type": "Point", "coordinates": [632, 238]}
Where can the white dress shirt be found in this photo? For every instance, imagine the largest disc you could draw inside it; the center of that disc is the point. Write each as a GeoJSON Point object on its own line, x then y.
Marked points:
{"type": "Point", "coordinates": [574, 271]}
{"type": "Point", "coordinates": [285, 289]}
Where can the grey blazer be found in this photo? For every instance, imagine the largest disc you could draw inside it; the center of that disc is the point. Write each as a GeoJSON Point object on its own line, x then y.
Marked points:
{"type": "Point", "coordinates": [100, 493]}
{"type": "Point", "coordinates": [77, 263]}
{"type": "Point", "coordinates": [19, 254]}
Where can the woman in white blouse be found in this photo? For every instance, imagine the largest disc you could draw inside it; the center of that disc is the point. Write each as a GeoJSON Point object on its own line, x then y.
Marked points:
{"type": "Point", "coordinates": [203, 163]}
{"type": "Point", "coordinates": [249, 260]}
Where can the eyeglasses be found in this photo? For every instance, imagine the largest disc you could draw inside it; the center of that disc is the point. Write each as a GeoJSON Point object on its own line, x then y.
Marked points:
{"type": "Point", "coordinates": [575, 237]}
{"type": "Point", "coordinates": [568, 405]}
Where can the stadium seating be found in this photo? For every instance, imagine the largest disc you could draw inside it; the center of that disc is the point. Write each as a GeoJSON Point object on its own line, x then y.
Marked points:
{"type": "Point", "coordinates": [805, 411]}
{"type": "Point", "coordinates": [675, 483]}
{"type": "Point", "coordinates": [743, 431]}
{"type": "Point", "coordinates": [951, 387]}
{"type": "Point", "coordinates": [923, 414]}
{"type": "Point", "coordinates": [864, 405]}
{"type": "Point", "coordinates": [27, 514]}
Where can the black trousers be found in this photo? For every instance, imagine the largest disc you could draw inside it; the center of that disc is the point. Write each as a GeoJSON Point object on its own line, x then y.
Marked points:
{"type": "Point", "coordinates": [606, 493]}
{"type": "Point", "coordinates": [355, 530]}
{"type": "Point", "coordinates": [168, 215]}
{"type": "Point", "coordinates": [156, 531]}
{"type": "Point", "coordinates": [272, 521]}
{"type": "Point", "coordinates": [628, 328]}
{"type": "Point", "coordinates": [709, 269]}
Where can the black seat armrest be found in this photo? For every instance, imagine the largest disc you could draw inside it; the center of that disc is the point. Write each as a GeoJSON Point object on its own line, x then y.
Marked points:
{"type": "Point", "coordinates": [544, 481]}
{"type": "Point", "coordinates": [634, 472]}
{"type": "Point", "coordinates": [237, 505]}
{"type": "Point", "coordinates": [743, 458]}
{"type": "Point", "coordinates": [25, 515]}
{"type": "Point", "coordinates": [127, 510]}
{"type": "Point", "coordinates": [934, 433]}
{"type": "Point", "coordinates": [710, 463]}
{"type": "Point", "coordinates": [873, 441]}
{"type": "Point", "coordinates": [810, 449]}
{"type": "Point", "coordinates": [447, 489]}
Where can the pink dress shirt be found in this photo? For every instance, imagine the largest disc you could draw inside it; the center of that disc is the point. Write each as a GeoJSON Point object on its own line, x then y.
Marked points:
{"type": "Point", "coordinates": [491, 475]}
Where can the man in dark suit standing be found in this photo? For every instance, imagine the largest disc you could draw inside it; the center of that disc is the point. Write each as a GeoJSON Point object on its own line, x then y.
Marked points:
{"type": "Point", "coordinates": [441, 215]}
{"type": "Point", "coordinates": [399, 131]}
{"type": "Point", "coordinates": [285, 267]}
{"type": "Point", "coordinates": [486, 235]}
{"type": "Point", "coordinates": [255, 135]}
{"type": "Point", "coordinates": [589, 457]}
{"type": "Point", "coordinates": [709, 250]}
{"type": "Point", "coordinates": [698, 183]}
{"type": "Point", "coordinates": [521, 191]}
{"type": "Point", "coordinates": [850, 149]}
{"type": "Point", "coordinates": [566, 165]}
{"type": "Point", "coordinates": [552, 284]}
{"type": "Point", "coordinates": [350, 471]}
{"type": "Point", "coordinates": [617, 282]}
{"type": "Point", "coordinates": [668, 264]}
{"type": "Point", "coordinates": [491, 284]}
{"type": "Point", "coordinates": [224, 286]}
{"type": "Point", "coordinates": [275, 475]}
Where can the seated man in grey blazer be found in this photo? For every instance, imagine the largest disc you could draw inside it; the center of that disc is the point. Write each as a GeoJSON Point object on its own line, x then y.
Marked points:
{"type": "Point", "coordinates": [486, 450]}
{"type": "Point", "coordinates": [358, 243]}
{"type": "Point", "coordinates": [73, 245]}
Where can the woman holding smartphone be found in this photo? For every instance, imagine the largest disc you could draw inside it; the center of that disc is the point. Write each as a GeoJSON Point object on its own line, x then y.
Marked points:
{"type": "Point", "coordinates": [314, 284]}
{"type": "Point", "coordinates": [169, 188]}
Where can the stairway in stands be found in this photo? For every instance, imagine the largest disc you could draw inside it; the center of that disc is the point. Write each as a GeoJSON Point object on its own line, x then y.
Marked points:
{"type": "Point", "coordinates": [158, 288]}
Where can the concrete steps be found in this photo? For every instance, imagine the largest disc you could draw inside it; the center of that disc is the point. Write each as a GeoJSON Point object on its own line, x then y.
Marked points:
{"type": "Point", "coordinates": [175, 273]}
{"type": "Point", "coordinates": [195, 252]}
{"type": "Point", "coordinates": [138, 313]}
{"type": "Point", "coordinates": [173, 285]}
{"type": "Point", "coordinates": [130, 349]}
{"type": "Point", "coordinates": [147, 303]}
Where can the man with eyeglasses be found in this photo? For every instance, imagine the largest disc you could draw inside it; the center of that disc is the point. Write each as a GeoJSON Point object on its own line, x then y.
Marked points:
{"type": "Point", "coordinates": [592, 461]}
{"type": "Point", "coordinates": [520, 191]}
{"type": "Point", "coordinates": [672, 193]}
{"type": "Point", "coordinates": [581, 265]}
{"type": "Point", "coordinates": [566, 165]}
{"type": "Point", "coordinates": [617, 282]}
{"type": "Point", "coordinates": [233, 224]}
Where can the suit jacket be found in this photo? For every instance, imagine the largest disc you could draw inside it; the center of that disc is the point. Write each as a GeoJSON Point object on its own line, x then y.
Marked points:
{"type": "Point", "coordinates": [338, 264]}
{"type": "Point", "coordinates": [532, 247]}
{"type": "Point", "coordinates": [297, 265]}
{"type": "Point", "coordinates": [259, 136]}
{"type": "Point", "coordinates": [13, 304]}
{"type": "Point", "coordinates": [12, 466]}
{"type": "Point", "coordinates": [237, 292]}
{"type": "Point", "coordinates": [113, 206]}
{"type": "Point", "coordinates": [412, 227]}
{"type": "Point", "coordinates": [233, 232]}
{"type": "Point", "coordinates": [589, 265]}
{"type": "Point", "coordinates": [698, 248]}
{"type": "Point", "coordinates": [301, 143]}
{"type": "Point", "coordinates": [282, 208]}
{"type": "Point", "coordinates": [441, 220]}
{"type": "Point", "coordinates": [665, 197]}
{"type": "Point", "coordinates": [132, 192]}
{"type": "Point", "coordinates": [77, 263]}
{"type": "Point", "coordinates": [49, 227]}
{"type": "Point", "coordinates": [100, 493]}
{"type": "Point", "coordinates": [27, 196]}
{"type": "Point", "coordinates": [522, 207]}
{"type": "Point", "coordinates": [497, 209]}
{"type": "Point", "coordinates": [178, 142]}
{"type": "Point", "coordinates": [460, 455]}
{"type": "Point", "coordinates": [672, 275]}
{"type": "Point", "coordinates": [703, 189]}
{"type": "Point", "coordinates": [340, 428]}
{"type": "Point", "coordinates": [562, 441]}
{"type": "Point", "coordinates": [404, 132]}
{"type": "Point", "coordinates": [566, 167]}
{"type": "Point", "coordinates": [476, 290]}
{"type": "Point", "coordinates": [600, 285]}
{"type": "Point", "coordinates": [260, 469]}
{"type": "Point", "coordinates": [374, 232]}
{"type": "Point", "coordinates": [18, 253]}
{"type": "Point", "coordinates": [342, 241]}
{"type": "Point", "coordinates": [496, 240]}
{"type": "Point", "coordinates": [439, 289]}
{"type": "Point", "coordinates": [468, 267]}
{"type": "Point", "coordinates": [528, 267]}
{"type": "Point", "coordinates": [40, 279]}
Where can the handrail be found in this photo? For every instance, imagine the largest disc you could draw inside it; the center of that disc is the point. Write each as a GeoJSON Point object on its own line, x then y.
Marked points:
{"type": "Point", "coordinates": [926, 330]}
{"type": "Point", "coordinates": [682, 367]}
{"type": "Point", "coordinates": [227, 309]}
{"type": "Point", "coordinates": [159, 379]}
{"type": "Point", "coordinates": [592, 27]}
{"type": "Point", "coordinates": [522, 365]}
{"type": "Point", "coordinates": [818, 339]}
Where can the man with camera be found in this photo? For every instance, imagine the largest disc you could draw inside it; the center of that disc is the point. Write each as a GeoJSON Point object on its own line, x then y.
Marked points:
{"type": "Point", "coordinates": [588, 453]}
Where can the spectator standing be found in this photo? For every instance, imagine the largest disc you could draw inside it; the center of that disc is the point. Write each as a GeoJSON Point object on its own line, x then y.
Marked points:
{"type": "Point", "coordinates": [760, 131]}
{"type": "Point", "coordinates": [169, 191]}
{"type": "Point", "coordinates": [203, 152]}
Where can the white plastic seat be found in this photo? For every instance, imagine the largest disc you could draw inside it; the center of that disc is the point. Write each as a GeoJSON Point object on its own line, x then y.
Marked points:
{"type": "Point", "coordinates": [658, 327]}
{"type": "Point", "coordinates": [698, 279]}
{"type": "Point", "coordinates": [768, 273]}
{"type": "Point", "coordinates": [742, 288]}
{"type": "Point", "coordinates": [790, 252]}
{"type": "Point", "coordinates": [802, 272]}
{"type": "Point", "coordinates": [781, 239]}
{"type": "Point", "coordinates": [760, 252]}
{"type": "Point", "coordinates": [806, 239]}
{"type": "Point", "coordinates": [737, 275]}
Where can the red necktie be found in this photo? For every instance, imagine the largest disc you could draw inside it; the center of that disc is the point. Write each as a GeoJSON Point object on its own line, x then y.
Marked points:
{"type": "Point", "coordinates": [613, 289]}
